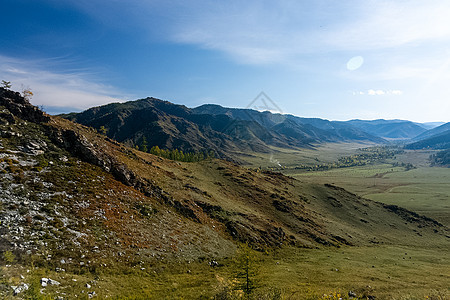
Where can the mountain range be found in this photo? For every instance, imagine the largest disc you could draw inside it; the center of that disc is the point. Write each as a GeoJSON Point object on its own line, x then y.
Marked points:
{"type": "Point", "coordinates": [390, 129]}
{"type": "Point", "coordinates": [210, 127]}
{"type": "Point", "coordinates": [227, 131]}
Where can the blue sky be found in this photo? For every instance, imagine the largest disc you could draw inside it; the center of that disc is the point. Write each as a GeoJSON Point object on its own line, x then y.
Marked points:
{"type": "Point", "coordinates": [331, 59]}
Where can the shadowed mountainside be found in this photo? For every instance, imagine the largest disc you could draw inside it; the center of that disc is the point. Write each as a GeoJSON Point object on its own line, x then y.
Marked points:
{"type": "Point", "coordinates": [433, 132]}
{"type": "Point", "coordinates": [318, 130]}
{"type": "Point", "coordinates": [437, 141]}
{"type": "Point", "coordinates": [206, 128]}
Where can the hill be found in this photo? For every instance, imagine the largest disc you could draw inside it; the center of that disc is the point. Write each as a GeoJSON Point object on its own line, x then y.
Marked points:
{"type": "Point", "coordinates": [171, 126]}
{"type": "Point", "coordinates": [433, 132]}
{"type": "Point", "coordinates": [438, 141]}
{"type": "Point", "coordinates": [430, 125]}
{"type": "Point", "coordinates": [76, 200]}
{"type": "Point", "coordinates": [320, 130]}
{"type": "Point", "coordinates": [211, 127]}
{"type": "Point", "coordinates": [390, 129]}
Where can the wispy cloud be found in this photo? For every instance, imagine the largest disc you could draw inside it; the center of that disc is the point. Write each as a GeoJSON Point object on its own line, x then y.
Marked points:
{"type": "Point", "coordinates": [76, 89]}
{"type": "Point", "coordinates": [378, 92]}
{"type": "Point", "coordinates": [266, 32]}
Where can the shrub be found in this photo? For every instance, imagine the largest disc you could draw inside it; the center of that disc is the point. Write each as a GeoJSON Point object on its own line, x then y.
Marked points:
{"type": "Point", "coordinates": [8, 257]}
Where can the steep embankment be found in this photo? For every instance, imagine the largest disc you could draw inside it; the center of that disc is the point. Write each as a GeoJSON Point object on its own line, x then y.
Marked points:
{"type": "Point", "coordinates": [70, 192]}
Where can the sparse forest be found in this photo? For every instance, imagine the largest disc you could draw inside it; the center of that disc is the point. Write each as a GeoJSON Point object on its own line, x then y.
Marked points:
{"type": "Point", "coordinates": [179, 155]}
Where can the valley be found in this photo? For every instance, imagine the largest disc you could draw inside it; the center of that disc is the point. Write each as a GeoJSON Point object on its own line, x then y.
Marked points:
{"type": "Point", "coordinates": [423, 189]}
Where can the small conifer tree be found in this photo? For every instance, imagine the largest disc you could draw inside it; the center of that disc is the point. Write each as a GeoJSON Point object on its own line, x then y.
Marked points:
{"type": "Point", "coordinates": [246, 270]}
{"type": "Point", "coordinates": [6, 84]}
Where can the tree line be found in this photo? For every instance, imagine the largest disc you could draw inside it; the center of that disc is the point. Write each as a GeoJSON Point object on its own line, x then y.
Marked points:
{"type": "Point", "coordinates": [175, 154]}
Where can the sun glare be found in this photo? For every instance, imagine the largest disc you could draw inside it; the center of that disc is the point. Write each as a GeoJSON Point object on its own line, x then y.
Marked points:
{"type": "Point", "coordinates": [355, 63]}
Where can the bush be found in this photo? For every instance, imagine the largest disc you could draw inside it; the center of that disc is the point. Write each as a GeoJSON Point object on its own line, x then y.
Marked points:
{"type": "Point", "coordinates": [9, 257]}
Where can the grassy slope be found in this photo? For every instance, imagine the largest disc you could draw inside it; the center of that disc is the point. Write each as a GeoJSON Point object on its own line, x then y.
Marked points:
{"type": "Point", "coordinates": [425, 190]}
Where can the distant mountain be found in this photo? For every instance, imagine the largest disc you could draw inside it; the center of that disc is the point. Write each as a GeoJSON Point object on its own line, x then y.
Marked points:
{"type": "Point", "coordinates": [438, 141]}
{"type": "Point", "coordinates": [430, 125]}
{"type": "Point", "coordinates": [161, 123]}
{"type": "Point", "coordinates": [432, 132]}
{"type": "Point", "coordinates": [212, 127]}
{"type": "Point", "coordinates": [319, 130]}
{"type": "Point", "coordinates": [390, 129]}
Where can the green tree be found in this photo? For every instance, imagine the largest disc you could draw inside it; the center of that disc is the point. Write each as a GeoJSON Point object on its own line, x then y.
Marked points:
{"type": "Point", "coordinates": [246, 270]}
{"type": "Point", "coordinates": [6, 84]}
{"type": "Point", "coordinates": [144, 145]}
{"type": "Point", "coordinates": [102, 130]}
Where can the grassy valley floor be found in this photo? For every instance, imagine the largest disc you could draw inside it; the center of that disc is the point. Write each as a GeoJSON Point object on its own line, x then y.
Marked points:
{"type": "Point", "coordinates": [385, 272]}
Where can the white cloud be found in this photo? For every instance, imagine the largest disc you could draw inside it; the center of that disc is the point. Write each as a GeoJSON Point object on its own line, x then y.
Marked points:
{"type": "Point", "coordinates": [373, 92]}
{"type": "Point", "coordinates": [75, 89]}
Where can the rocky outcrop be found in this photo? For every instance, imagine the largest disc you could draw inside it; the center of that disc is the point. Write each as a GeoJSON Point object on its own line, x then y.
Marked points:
{"type": "Point", "coordinates": [80, 146]}
{"type": "Point", "coordinates": [21, 107]}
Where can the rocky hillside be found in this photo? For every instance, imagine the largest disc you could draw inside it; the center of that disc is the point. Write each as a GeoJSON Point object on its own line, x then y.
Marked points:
{"type": "Point", "coordinates": [76, 200]}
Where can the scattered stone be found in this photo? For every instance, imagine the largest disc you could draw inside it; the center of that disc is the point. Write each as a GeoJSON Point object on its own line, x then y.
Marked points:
{"type": "Point", "coordinates": [352, 294]}
{"type": "Point", "coordinates": [19, 289]}
{"type": "Point", "coordinates": [48, 281]}
{"type": "Point", "coordinates": [44, 282]}
{"type": "Point", "coordinates": [213, 263]}
{"type": "Point", "coordinates": [91, 294]}
{"type": "Point", "coordinates": [88, 285]}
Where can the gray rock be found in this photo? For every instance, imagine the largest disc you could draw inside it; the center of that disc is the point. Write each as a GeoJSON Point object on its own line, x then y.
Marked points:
{"type": "Point", "coordinates": [48, 281]}
{"type": "Point", "coordinates": [19, 289]}
{"type": "Point", "coordinates": [44, 282]}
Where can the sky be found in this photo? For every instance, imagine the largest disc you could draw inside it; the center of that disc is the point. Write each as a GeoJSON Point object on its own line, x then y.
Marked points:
{"type": "Point", "coordinates": [337, 60]}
